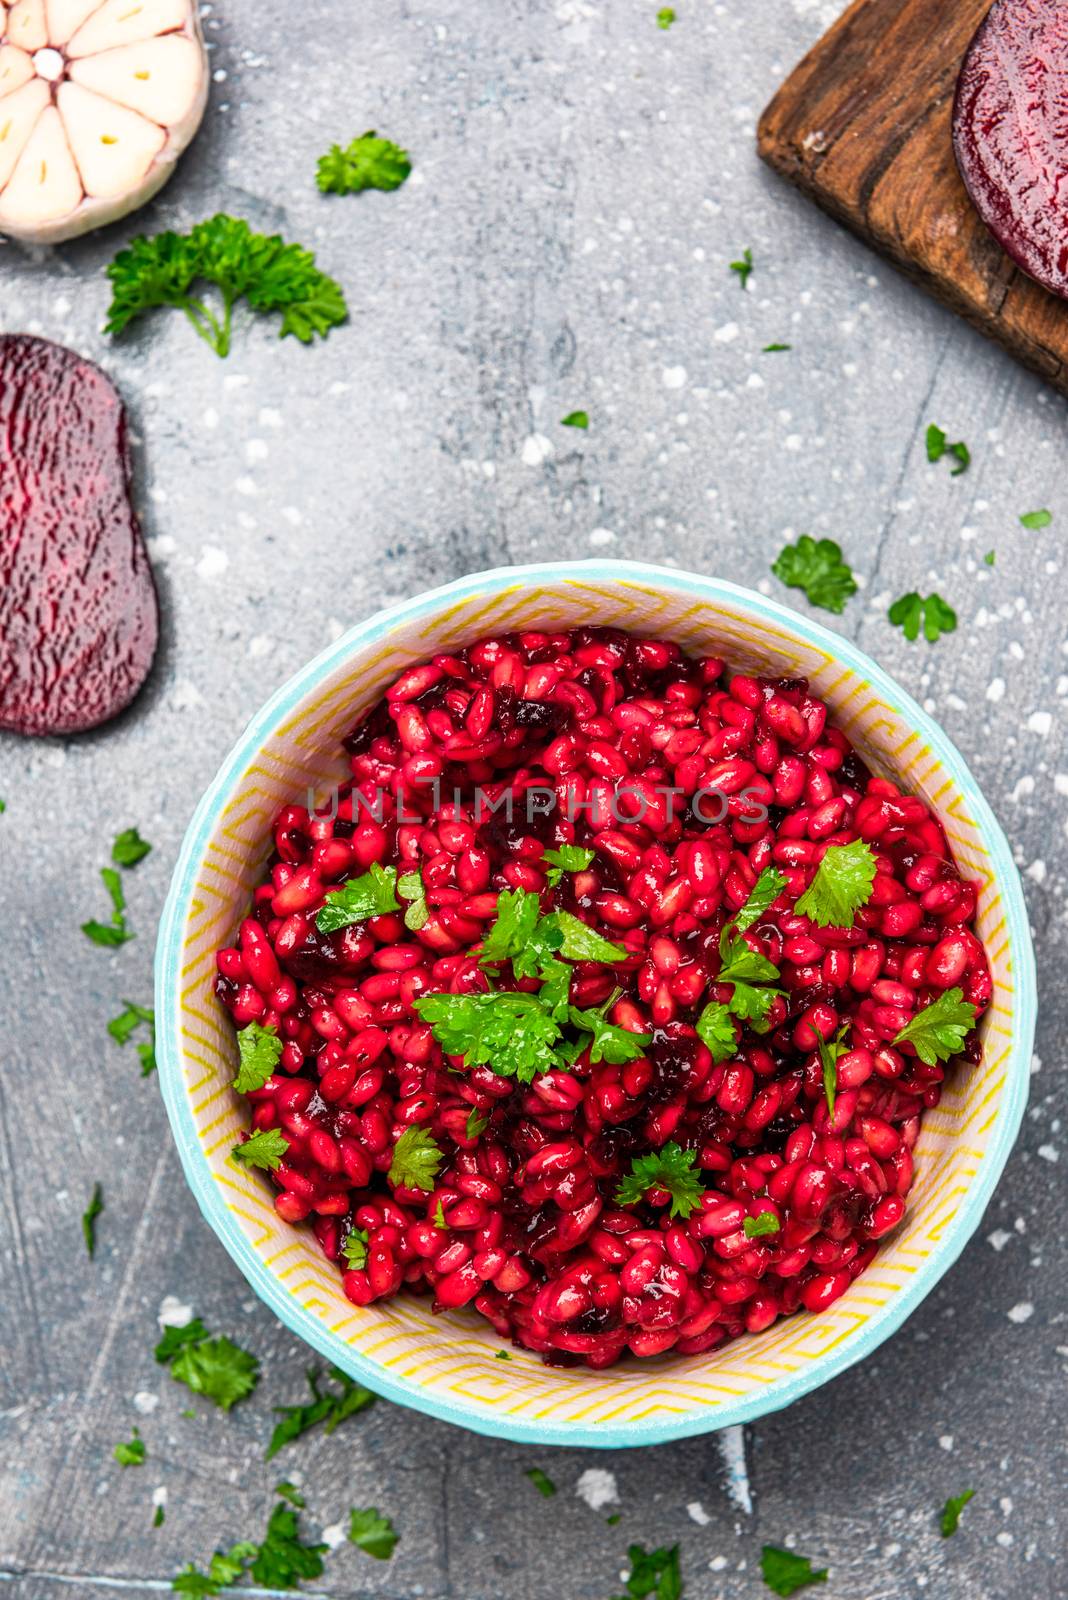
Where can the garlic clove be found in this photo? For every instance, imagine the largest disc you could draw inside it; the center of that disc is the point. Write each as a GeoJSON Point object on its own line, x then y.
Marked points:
{"type": "Point", "coordinates": [26, 25]}
{"type": "Point", "coordinates": [16, 68]}
{"type": "Point", "coordinates": [160, 78]}
{"type": "Point", "coordinates": [113, 147]}
{"type": "Point", "coordinates": [45, 184]}
{"type": "Point", "coordinates": [125, 22]}
{"type": "Point", "coordinates": [19, 113]}
{"type": "Point", "coordinates": [65, 17]}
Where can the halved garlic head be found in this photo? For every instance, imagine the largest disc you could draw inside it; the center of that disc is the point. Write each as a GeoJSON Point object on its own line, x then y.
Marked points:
{"type": "Point", "coordinates": [98, 99]}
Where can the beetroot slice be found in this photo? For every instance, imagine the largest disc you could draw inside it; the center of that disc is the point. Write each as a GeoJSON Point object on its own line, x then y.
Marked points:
{"type": "Point", "coordinates": [79, 619]}
{"type": "Point", "coordinates": [1010, 133]}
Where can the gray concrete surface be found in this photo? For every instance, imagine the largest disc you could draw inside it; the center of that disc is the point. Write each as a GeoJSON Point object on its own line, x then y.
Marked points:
{"type": "Point", "coordinates": [582, 178]}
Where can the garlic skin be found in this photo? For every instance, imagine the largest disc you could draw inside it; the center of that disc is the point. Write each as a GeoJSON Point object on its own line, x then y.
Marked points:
{"type": "Point", "coordinates": [98, 99]}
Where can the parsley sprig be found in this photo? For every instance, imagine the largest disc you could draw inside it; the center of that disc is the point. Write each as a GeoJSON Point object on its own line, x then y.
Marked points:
{"type": "Point", "coordinates": [949, 1521]}
{"type": "Point", "coordinates": [132, 1453]}
{"type": "Point", "coordinates": [785, 1573]}
{"type": "Point", "coordinates": [750, 974]}
{"type": "Point", "coordinates": [373, 894]}
{"type": "Point", "coordinates": [265, 1148]}
{"type": "Point", "coordinates": [842, 884]}
{"type": "Point", "coordinates": [259, 1050]}
{"type": "Point", "coordinates": [122, 1027]}
{"type": "Point", "coordinates": [911, 612]}
{"type": "Point", "coordinates": [372, 1533]}
{"type": "Point", "coordinates": [265, 271]}
{"type": "Point", "coordinates": [115, 932]}
{"type": "Point", "coordinates": [670, 1169]}
{"type": "Point", "coordinates": [817, 567]}
{"type": "Point", "coordinates": [216, 1368]}
{"type": "Point", "coordinates": [366, 163]}
{"type": "Point", "coordinates": [938, 446]}
{"type": "Point", "coordinates": [654, 1573]}
{"type": "Point", "coordinates": [328, 1405]}
{"type": "Point", "coordinates": [281, 1561]}
{"type": "Point", "coordinates": [938, 1031]}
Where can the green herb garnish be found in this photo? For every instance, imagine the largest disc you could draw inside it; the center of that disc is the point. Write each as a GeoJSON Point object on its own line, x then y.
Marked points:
{"type": "Point", "coordinates": [938, 1031]}
{"type": "Point", "coordinates": [132, 1454]}
{"type": "Point", "coordinates": [743, 267]}
{"type": "Point", "coordinates": [785, 1573]}
{"type": "Point", "coordinates": [761, 1226]}
{"type": "Point", "coordinates": [372, 1533]}
{"type": "Point", "coordinates": [89, 1216]}
{"type": "Point", "coordinates": [367, 163]}
{"type": "Point", "coordinates": [655, 1573]}
{"type": "Point", "coordinates": [129, 848]}
{"type": "Point", "coordinates": [410, 888]}
{"type": "Point", "coordinates": [569, 858]}
{"type": "Point", "coordinates": [665, 17]}
{"type": "Point", "coordinates": [1036, 519]}
{"type": "Point", "coordinates": [671, 1169]}
{"type": "Point", "coordinates": [355, 1249]}
{"type": "Point", "coordinates": [575, 419]}
{"type": "Point", "coordinates": [937, 447]}
{"type": "Point", "coordinates": [416, 1159]}
{"type": "Point", "coordinates": [115, 932]}
{"type": "Point", "coordinates": [817, 567]}
{"type": "Point", "coordinates": [933, 614]}
{"type": "Point", "coordinates": [842, 885]}
{"type": "Point", "coordinates": [265, 1148]}
{"type": "Point", "coordinates": [259, 1050]}
{"type": "Point", "coordinates": [326, 1406]}
{"type": "Point", "coordinates": [374, 894]}
{"type": "Point", "coordinates": [950, 1519]}
{"type": "Point", "coordinates": [541, 1481]}
{"type": "Point", "coordinates": [216, 1368]}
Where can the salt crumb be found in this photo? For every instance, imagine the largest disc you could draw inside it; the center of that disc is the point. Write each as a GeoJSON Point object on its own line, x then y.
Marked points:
{"type": "Point", "coordinates": [145, 1402]}
{"type": "Point", "coordinates": [946, 1441]}
{"type": "Point", "coordinates": [536, 449]}
{"type": "Point", "coordinates": [717, 1563]}
{"type": "Point", "coordinates": [602, 536]}
{"type": "Point", "coordinates": [697, 1513]}
{"type": "Point", "coordinates": [213, 562]}
{"type": "Point", "coordinates": [1040, 722]}
{"type": "Point", "coordinates": [159, 1495]}
{"type": "Point", "coordinates": [727, 334]}
{"type": "Point", "coordinates": [598, 1488]}
{"type": "Point", "coordinates": [1004, 1539]}
{"type": "Point", "coordinates": [995, 690]}
{"type": "Point", "coordinates": [1060, 783]}
{"type": "Point", "coordinates": [1049, 1152]}
{"type": "Point", "coordinates": [256, 450]}
{"type": "Point", "coordinates": [1036, 872]}
{"type": "Point", "coordinates": [999, 1238]}
{"type": "Point", "coordinates": [173, 1313]}
{"type": "Point", "coordinates": [674, 377]}
{"type": "Point", "coordinates": [1021, 1312]}
{"type": "Point", "coordinates": [335, 1535]}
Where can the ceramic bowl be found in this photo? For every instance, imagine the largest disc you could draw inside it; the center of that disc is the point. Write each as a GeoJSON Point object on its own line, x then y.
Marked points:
{"type": "Point", "coordinates": [445, 1365]}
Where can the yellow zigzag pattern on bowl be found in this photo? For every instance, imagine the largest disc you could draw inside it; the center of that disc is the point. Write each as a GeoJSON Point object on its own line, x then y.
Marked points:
{"type": "Point", "coordinates": [455, 1354]}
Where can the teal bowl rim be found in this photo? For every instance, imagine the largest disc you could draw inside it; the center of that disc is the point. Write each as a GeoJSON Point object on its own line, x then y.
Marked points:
{"type": "Point", "coordinates": [655, 1430]}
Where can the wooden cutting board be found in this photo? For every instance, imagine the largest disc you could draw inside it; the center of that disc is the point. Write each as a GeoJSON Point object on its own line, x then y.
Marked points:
{"type": "Point", "coordinates": [863, 127]}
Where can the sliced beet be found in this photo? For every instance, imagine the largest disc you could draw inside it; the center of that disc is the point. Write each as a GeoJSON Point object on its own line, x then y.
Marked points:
{"type": "Point", "coordinates": [78, 614]}
{"type": "Point", "coordinates": [1010, 133]}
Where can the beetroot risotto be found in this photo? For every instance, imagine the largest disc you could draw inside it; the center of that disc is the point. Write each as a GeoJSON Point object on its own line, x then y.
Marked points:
{"type": "Point", "coordinates": [606, 997]}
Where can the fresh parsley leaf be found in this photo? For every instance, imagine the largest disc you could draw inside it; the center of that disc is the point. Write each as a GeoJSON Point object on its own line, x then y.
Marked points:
{"type": "Point", "coordinates": [743, 267]}
{"type": "Point", "coordinates": [328, 1407]}
{"type": "Point", "coordinates": [829, 1051]}
{"type": "Point", "coordinates": [3, 807]}
{"type": "Point", "coordinates": [717, 1029]}
{"type": "Point", "coordinates": [517, 926]}
{"type": "Point", "coordinates": [575, 419]}
{"type": "Point", "coordinates": [372, 895]}
{"type": "Point", "coordinates": [569, 858]}
{"type": "Point", "coordinates": [771, 349]}
{"type": "Point", "coordinates": [754, 1005]}
{"type": "Point", "coordinates": [938, 1031]}
{"type": "Point", "coordinates": [739, 963]}
{"type": "Point", "coordinates": [581, 942]}
{"type": "Point", "coordinates": [744, 967]}
{"type": "Point", "coordinates": [159, 1518]}
{"type": "Point", "coordinates": [258, 1052]}
{"type": "Point", "coordinates": [129, 848]}
{"type": "Point", "coordinates": [216, 1368]}
{"type": "Point", "coordinates": [767, 889]}
{"type": "Point", "coordinates": [128, 1021]}
{"type": "Point", "coordinates": [265, 271]}
{"type": "Point", "coordinates": [290, 1492]}
{"type": "Point", "coordinates": [410, 888]}
{"type": "Point", "coordinates": [665, 17]}
{"type": "Point", "coordinates": [785, 1573]}
{"type": "Point", "coordinates": [950, 1519]}
{"type": "Point", "coordinates": [196, 1584]}
{"type": "Point", "coordinates": [672, 1169]}
{"type": "Point", "coordinates": [372, 1533]}
{"type": "Point", "coordinates": [990, 558]}
{"type": "Point", "coordinates": [89, 1216]}
{"type": "Point", "coordinates": [611, 1044]}
{"type": "Point", "coordinates": [502, 1355]}
{"type": "Point", "coordinates": [265, 1148]}
{"type": "Point", "coordinates": [841, 886]}
{"type": "Point", "coordinates": [655, 1573]}
{"type": "Point", "coordinates": [541, 1481]}
{"type": "Point", "coordinates": [224, 1569]}
{"type": "Point", "coordinates": [937, 447]}
{"type": "Point", "coordinates": [282, 1560]}
{"type": "Point", "coordinates": [817, 567]}
{"type": "Point", "coordinates": [367, 163]}
{"type": "Point", "coordinates": [416, 1159]}
{"type": "Point", "coordinates": [355, 1249]}
{"type": "Point", "coordinates": [1036, 519]}
{"type": "Point", "coordinates": [476, 1123]}
{"type": "Point", "coordinates": [132, 1454]}
{"type": "Point", "coordinates": [760, 1226]}
{"type": "Point", "coordinates": [910, 612]}
{"type": "Point", "coordinates": [513, 1034]}
{"type": "Point", "coordinates": [439, 1216]}
{"type": "Point", "coordinates": [115, 932]}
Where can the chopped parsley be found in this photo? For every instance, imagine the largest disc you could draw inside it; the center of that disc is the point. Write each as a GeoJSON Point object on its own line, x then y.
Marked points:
{"type": "Point", "coordinates": [326, 1406]}
{"type": "Point", "coordinates": [122, 1027]}
{"type": "Point", "coordinates": [416, 1159]}
{"type": "Point", "coordinates": [216, 1368]}
{"type": "Point", "coordinates": [1036, 519]}
{"type": "Point", "coordinates": [224, 1569]}
{"type": "Point", "coordinates": [665, 17]}
{"type": "Point", "coordinates": [763, 895]}
{"type": "Point", "coordinates": [670, 1169]}
{"type": "Point", "coordinates": [829, 1051]}
{"type": "Point", "coordinates": [990, 558]}
{"type": "Point", "coordinates": [842, 884]}
{"type": "Point", "coordinates": [761, 1226]}
{"type": "Point", "coordinates": [950, 1519]}
{"type": "Point", "coordinates": [290, 1492]}
{"type": "Point", "coordinates": [367, 163]}
{"type": "Point", "coordinates": [744, 968]}
{"type": "Point", "coordinates": [817, 567]}
{"type": "Point", "coordinates": [911, 612]}
{"type": "Point", "coordinates": [410, 889]}
{"type": "Point", "coordinates": [439, 1216]}
{"type": "Point", "coordinates": [541, 1481]}
{"type": "Point", "coordinates": [569, 858]}
{"type": "Point", "coordinates": [611, 1044]}
{"type": "Point", "coordinates": [224, 252]}
{"type": "Point", "coordinates": [265, 1148]}
{"type": "Point", "coordinates": [743, 267]}
{"type": "Point", "coordinates": [159, 1518]}
{"type": "Point", "coordinates": [372, 1533]}
{"type": "Point", "coordinates": [129, 848]}
{"type": "Point", "coordinates": [132, 1454]}
{"type": "Point", "coordinates": [476, 1123]}
{"type": "Point", "coordinates": [115, 932]}
{"type": "Point", "coordinates": [283, 1560]}
{"type": "Point", "coordinates": [258, 1052]}
{"type": "Point", "coordinates": [511, 1033]}
{"type": "Point", "coordinates": [575, 419]}
{"type": "Point", "coordinates": [89, 1216]}
{"type": "Point", "coordinates": [772, 349]}
{"type": "Point", "coordinates": [938, 446]}
{"type": "Point", "coordinates": [355, 1249]}
{"type": "Point", "coordinates": [785, 1573]}
{"type": "Point", "coordinates": [374, 894]}
{"type": "Point", "coordinates": [938, 1031]}
{"type": "Point", "coordinates": [655, 1573]}
{"type": "Point", "coordinates": [502, 1355]}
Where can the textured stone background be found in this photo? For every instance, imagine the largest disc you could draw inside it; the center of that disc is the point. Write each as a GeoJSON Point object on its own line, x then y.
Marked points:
{"type": "Point", "coordinates": [582, 179]}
